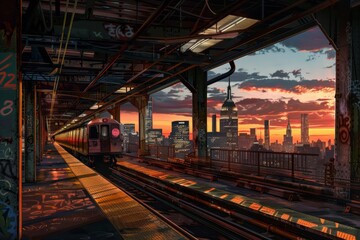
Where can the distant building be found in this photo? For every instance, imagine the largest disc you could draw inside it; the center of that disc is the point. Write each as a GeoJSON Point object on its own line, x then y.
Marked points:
{"type": "Point", "coordinates": [245, 141]}
{"type": "Point", "coordinates": [276, 146]}
{"type": "Point", "coordinates": [253, 137]}
{"type": "Point", "coordinates": [329, 153]}
{"type": "Point", "coordinates": [155, 136]}
{"type": "Point", "coordinates": [304, 129]}
{"type": "Point", "coordinates": [257, 147]}
{"type": "Point", "coordinates": [229, 120]}
{"type": "Point", "coordinates": [288, 145]}
{"type": "Point", "coordinates": [312, 161]}
{"type": "Point", "coordinates": [320, 144]}
{"type": "Point", "coordinates": [129, 128]}
{"type": "Point", "coordinates": [216, 140]}
{"type": "Point", "coordinates": [180, 137]}
{"type": "Point", "coordinates": [148, 119]}
{"type": "Point", "coordinates": [267, 134]}
{"type": "Point", "coordinates": [213, 123]}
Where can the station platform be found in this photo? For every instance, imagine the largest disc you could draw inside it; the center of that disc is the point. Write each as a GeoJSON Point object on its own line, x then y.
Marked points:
{"type": "Point", "coordinates": [71, 201]}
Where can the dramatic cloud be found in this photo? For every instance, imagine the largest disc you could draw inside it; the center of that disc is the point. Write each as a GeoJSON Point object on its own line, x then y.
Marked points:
{"type": "Point", "coordinates": [297, 87]}
{"type": "Point", "coordinates": [280, 74]}
{"type": "Point", "coordinates": [312, 40]}
{"type": "Point", "coordinates": [331, 54]}
{"type": "Point", "coordinates": [296, 73]}
{"type": "Point", "coordinates": [255, 111]}
{"type": "Point", "coordinates": [271, 49]}
{"type": "Point", "coordinates": [239, 76]}
{"type": "Point", "coordinates": [162, 103]}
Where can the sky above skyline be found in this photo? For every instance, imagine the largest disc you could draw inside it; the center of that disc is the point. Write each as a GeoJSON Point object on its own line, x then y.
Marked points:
{"type": "Point", "coordinates": [281, 81]}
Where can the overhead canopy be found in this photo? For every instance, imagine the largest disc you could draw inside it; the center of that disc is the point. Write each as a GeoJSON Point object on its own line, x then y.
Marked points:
{"type": "Point", "coordinates": [105, 52]}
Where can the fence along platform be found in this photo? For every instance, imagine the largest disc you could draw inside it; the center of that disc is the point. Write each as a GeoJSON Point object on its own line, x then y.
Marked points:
{"type": "Point", "coordinates": [130, 218]}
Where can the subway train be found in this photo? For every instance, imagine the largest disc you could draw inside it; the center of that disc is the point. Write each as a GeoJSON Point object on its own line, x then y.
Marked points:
{"type": "Point", "coordinates": [99, 140]}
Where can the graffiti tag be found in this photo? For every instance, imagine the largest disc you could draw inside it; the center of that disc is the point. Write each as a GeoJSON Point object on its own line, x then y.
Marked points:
{"type": "Point", "coordinates": [119, 31]}
{"type": "Point", "coordinates": [5, 186]}
{"type": "Point", "coordinates": [7, 80]}
{"type": "Point", "coordinates": [7, 220]}
{"type": "Point", "coordinates": [7, 108]}
{"type": "Point", "coordinates": [344, 126]}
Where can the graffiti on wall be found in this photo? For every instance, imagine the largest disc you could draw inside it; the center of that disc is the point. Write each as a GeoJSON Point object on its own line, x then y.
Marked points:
{"type": "Point", "coordinates": [344, 129]}
{"type": "Point", "coordinates": [8, 147]}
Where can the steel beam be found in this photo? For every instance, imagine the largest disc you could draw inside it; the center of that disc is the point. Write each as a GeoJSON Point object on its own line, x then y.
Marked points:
{"type": "Point", "coordinates": [343, 112]}
{"type": "Point", "coordinates": [29, 120]}
{"type": "Point", "coordinates": [199, 80]}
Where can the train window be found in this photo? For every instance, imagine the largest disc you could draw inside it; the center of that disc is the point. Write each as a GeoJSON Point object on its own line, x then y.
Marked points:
{"type": "Point", "coordinates": [93, 132]}
{"type": "Point", "coordinates": [104, 130]}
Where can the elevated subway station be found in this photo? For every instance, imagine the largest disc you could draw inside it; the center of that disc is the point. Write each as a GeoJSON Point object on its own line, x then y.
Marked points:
{"type": "Point", "coordinates": [65, 62]}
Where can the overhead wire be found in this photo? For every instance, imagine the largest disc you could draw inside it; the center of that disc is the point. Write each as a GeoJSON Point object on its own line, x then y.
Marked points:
{"type": "Point", "coordinates": [56, 83]}
{"type": "Point", "coordinates": [208, 6]}
{"type": "Point", "coordinates": [43, 17]}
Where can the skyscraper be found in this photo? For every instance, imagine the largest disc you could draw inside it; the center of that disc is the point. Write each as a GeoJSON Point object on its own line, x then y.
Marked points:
{"type": "Point", "coordinates": [180, 137]}
{"type": "Point", "coordinates": [267, 134]}
{"type": "Point", "coordinates": [253, 137]}
{"type": "Point", "coordinates": [213, 123]}
{"type": "Point", "coordinates": [155, 136]}
{"type": "Point", "coordinates": [288, 139]}
{"type": "Point", "coordinates": [148, 119]}
{"type": "Point", "coordinates": [229, 120]}
{"type": "Point", "coordinates": [304, 129]}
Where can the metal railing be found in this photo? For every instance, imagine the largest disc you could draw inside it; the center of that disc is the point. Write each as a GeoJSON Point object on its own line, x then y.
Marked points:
{"type": "Point", "coordinates": [261, 162]}
{"type": "Point", "coordinates": [161, 152]}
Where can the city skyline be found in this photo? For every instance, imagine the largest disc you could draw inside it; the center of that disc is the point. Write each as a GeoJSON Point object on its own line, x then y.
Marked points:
{"type": "Point", "coordinates": [282, 81]}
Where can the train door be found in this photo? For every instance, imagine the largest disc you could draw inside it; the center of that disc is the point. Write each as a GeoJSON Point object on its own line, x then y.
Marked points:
{"type": "Point", "coordinates": [104, 139]}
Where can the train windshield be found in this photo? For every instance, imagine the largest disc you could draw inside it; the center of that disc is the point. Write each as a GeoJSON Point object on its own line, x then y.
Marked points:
{"type": "Point", "coordinates": [93, 132]}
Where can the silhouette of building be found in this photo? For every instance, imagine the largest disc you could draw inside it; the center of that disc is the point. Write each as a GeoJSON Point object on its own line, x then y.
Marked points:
{"type": "Point", "coordinates": [253, 137]}
{"type": "Point", "coordinates": [245, 141]}
{"type": "Point", "coordinates": [276, 146]}
{"type": "Point", "coordinates": [229, 120]}
{"type": "Point", "coordinates": [148, 119]}
{"type": "Point", "coordinates": [155, 136]}
{"type": "Point", "coordinates": [213, 123]}
{"type": "Point", "coordinates": [267, 134]}
{"type": "Point", "coordinates": [129, 128]}
{"type": "Point", "coordinates": [216, 140]}
{"type": "Point", "coordinates": [180, 137]}
{"type": "Point", "coordinates": [304, 129]}
{"type": "Point", "coordinates": [288, 145]}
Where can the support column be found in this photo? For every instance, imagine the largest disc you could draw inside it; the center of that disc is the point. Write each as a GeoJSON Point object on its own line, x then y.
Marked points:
{"type": "Point", "coordinates": [355, 105]}
{"type": "Point", "coordinates": [30, 163]}
{"type": "Point", "coordinates": [199, 112]}
{"type": "Point", "coordinates": [342, 113]}
{"type": "Point", "coordinates": [37, 134]}
{"type": "Point", "coordinates": [10, 120]}
{"type": "Point", "coordinates": [141, 103]}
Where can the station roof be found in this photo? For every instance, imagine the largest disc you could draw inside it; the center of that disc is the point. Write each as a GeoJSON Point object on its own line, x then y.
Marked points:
{"type": "Point", "coordinates": [86, 56]}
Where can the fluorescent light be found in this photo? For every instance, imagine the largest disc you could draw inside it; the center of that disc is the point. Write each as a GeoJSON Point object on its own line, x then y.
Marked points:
{"type": "Point", "coordinates": [218, 32]}
{"type": "Point", "coordinates": [232, 24]}
{"type": "Point", "coordinates": [95, 106]}
{"type": "Point", "coordinates": [125, 89]}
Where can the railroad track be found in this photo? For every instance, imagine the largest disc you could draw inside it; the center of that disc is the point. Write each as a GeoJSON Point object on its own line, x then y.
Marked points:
{"type": "Point", "coordinates": [219, 221]}
{"type": "Point", "coordinates": [186, 216]}
{"type": "Point", "coordinates": [297, 187]}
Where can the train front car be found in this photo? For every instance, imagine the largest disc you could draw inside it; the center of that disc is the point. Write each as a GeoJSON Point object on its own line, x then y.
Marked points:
{"type": "Point", "coordinates": [105, 141]}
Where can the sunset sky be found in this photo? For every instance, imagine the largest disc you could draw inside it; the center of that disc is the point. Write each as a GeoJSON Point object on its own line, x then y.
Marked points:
{"type": "Point", "coordinates": [279, 82]}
